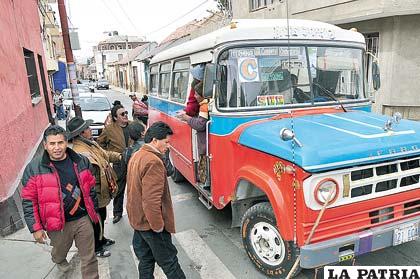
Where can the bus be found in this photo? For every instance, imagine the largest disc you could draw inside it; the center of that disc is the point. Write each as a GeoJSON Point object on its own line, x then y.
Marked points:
{"type": "Point", "coordinates": [311, 174]}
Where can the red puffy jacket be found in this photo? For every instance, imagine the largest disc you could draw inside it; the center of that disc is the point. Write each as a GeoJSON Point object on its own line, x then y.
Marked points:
{"type": "Point", "coordinates": [41, 194]}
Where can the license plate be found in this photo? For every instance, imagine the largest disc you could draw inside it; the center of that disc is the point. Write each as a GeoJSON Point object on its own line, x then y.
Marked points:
{"type": "Point", "coordinates": [405, 233]}
{"type": "Point", "coordinates": [94, 132]}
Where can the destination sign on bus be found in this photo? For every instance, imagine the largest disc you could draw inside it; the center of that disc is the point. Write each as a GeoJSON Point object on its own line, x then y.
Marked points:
{"type": "Point", "coordinates": [265, 51]}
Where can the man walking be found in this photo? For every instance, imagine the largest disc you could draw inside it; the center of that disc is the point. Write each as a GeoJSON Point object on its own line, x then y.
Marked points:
{"type": "Point", "coordinates": [149, 206]}
{"type": "Point", "coordinates": [58, 197]}
{"type": "Point", "coordinates": [106, 185]}
{"type": "Point", "coordinates": [115, 137]}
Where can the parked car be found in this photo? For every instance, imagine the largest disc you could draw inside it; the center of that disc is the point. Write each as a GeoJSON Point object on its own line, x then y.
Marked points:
{"type": "Point", "coordinates": [94, 106]}
{"type": "Point", "coordinates": [102, 84]}
{"type": "Point", "coordinates": [68, 98]}
{"type": "Point", "coordinates": [87, 83]}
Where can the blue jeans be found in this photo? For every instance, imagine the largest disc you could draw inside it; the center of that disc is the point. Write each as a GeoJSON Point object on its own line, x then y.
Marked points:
{"type": "Point", "coordinates": [60, 112]}
{"type": "Point", "coordinates": [151, 247]}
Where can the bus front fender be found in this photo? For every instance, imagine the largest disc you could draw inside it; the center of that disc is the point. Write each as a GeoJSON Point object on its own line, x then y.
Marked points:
{"type": "Point", "coordinates": [281, 204]}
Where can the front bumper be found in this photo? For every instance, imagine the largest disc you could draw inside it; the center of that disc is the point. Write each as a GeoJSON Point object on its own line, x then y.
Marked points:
{"type": "Point", "coordinates": [346, 247]}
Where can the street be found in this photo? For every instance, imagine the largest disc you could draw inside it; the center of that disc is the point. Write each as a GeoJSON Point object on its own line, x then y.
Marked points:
{"type": "Point", "coordinates": [207, 246]}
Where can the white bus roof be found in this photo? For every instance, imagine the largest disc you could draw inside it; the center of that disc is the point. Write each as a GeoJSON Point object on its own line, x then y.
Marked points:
{"type": "Point", "coordinates": [261, 29]}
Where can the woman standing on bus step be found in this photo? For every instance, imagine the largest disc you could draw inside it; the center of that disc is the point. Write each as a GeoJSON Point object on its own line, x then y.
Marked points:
{"type": "Point", "coordinates": [198, 123]}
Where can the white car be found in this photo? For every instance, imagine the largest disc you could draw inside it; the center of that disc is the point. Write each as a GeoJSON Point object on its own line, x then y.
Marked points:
{"type": "Point", "coordinates": [68, 98]}
{"type": "Point", "coordinates": [94, 106]}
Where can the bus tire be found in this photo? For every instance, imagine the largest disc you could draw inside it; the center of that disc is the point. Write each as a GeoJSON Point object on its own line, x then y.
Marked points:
{"type": "Point", "coordinates": [263, 243]}
{"type": "Point", "coordinates": [177, 176]}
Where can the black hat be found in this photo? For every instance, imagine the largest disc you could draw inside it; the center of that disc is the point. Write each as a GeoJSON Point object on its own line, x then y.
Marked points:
{"type": "Point", "coordinates": [76, 126]}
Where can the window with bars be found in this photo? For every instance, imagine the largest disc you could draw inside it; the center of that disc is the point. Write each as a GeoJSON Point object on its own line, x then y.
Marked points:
{"type": "Point", "coordinates": [258, 4]}
{"type": "Point", "coordinates": [372, 46]}
{"type": "Point", "coordinates": [31, 73]}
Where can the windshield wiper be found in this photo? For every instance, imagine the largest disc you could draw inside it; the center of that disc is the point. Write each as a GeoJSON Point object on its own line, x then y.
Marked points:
{"type": "Point", "coordinates": [329, 94]}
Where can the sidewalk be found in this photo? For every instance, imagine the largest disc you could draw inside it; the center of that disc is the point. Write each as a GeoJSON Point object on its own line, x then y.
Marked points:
{"type": "Point", "coordinates": [20, 257]}
{"type": "Point", "coordinates": [125, 91]}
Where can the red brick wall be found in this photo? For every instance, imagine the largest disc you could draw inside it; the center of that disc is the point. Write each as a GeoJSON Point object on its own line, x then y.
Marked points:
{"type": "Point", "coordinates": [21, 123]}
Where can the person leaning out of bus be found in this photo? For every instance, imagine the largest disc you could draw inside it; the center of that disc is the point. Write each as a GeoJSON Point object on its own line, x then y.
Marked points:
{"type": "Point", "coordinates": [198, 123]}
{"type": "Point", "coordinates": [193, 106]}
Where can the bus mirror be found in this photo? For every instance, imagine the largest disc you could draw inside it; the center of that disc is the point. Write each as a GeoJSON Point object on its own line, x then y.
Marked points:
{"type": "Point", "coordinates": [376, 77]}
{"type": "Point", "coordinates": [209, 75]}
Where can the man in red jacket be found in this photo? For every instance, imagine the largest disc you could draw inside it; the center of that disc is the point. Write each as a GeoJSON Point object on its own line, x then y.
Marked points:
{"type": "Point", "coordinates": [59, 200]}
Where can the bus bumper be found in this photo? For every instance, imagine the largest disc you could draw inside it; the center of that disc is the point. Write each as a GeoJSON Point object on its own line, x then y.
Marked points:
{"type": "Point", "coordinates": [349, 246]}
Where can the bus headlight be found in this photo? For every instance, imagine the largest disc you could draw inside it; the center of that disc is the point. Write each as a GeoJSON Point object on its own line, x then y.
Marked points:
{"type": "Point", "coordinates": [326, 189]}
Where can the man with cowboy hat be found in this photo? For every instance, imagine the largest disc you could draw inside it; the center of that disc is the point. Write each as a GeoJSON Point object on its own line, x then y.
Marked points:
{"type": "Point", "coordinates": [106, 186]}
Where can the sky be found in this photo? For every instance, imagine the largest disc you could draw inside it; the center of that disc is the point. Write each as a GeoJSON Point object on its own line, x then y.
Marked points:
{"type": "Point", "coordinates": [142, 18]}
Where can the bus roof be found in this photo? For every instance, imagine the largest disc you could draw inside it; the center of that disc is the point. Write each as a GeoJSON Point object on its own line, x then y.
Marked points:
{"type": "Point", "coordinates": [261, 29]}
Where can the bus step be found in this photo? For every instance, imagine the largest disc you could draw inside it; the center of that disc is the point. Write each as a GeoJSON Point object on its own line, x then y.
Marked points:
{"type": "Point", "coordinates": [204, 200]}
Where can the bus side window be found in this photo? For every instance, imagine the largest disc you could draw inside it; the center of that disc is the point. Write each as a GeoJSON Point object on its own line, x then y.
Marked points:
{"type": "Point", "coordinates": [153, 85]}
{"type": "Point", "coordinates": [180, 81]}
{"type": "Point", "coordinates": [164, 80]}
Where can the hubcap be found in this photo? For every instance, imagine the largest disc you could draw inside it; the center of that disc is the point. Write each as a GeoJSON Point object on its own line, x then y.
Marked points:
{"type": "Point", "coordinates": [267, 243]}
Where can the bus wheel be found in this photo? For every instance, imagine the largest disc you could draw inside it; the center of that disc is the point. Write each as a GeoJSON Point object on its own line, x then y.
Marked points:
{"type": "Point", "coordinates": [263, 243]}
{"type": "Point", "coordinates": [177, 176]}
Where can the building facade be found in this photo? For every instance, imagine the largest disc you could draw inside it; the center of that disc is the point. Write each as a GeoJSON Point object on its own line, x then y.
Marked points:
{"type": "Point", "coordinates": [112, 49]}
{"type": "Point", "coordinates": [391, 29]}
{"type": "Point", "coordinates": [25, 100]}
{"type": "Point", "coordinates": [52, 40]}
{"type": "Point", "coordinates": [130, 73]}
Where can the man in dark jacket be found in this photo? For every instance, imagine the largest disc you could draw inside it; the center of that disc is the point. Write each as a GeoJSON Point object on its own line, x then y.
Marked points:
{"type": "Point", "coordinates": [59, 199]}
{"type": "Point", "coordinates": [136, 132]}
{"type": "Point", "coordinates": [149, 206]}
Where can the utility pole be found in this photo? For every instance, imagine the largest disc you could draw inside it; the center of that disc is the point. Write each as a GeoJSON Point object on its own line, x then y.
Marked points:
{"type": "Point", "coordinates": [71, 66]}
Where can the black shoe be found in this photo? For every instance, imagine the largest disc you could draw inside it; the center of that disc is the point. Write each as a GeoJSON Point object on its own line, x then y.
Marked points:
{"type": "Point", "coordinates": [116, 219]}
{"type": "Point", "coordinates": [108, 242]}
{"type": "Point", "coordinates": [103, 253]}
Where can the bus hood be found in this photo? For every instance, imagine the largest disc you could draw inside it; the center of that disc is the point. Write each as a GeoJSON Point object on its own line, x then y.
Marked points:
{"type": "Point", "coordinates": [335, 140]}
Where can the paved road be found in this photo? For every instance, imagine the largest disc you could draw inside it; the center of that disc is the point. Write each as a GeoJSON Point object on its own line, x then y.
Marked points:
{"type": "Point", "coordinates": [208, 247]}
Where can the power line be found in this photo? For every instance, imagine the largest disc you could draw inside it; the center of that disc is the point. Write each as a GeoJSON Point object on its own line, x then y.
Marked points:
{"type": "Point", "coordinates": [110, 11]}
{"type": "Point", "coordinates": [128, 17]}
{"type": "Point", "coordinates": [170, 23]}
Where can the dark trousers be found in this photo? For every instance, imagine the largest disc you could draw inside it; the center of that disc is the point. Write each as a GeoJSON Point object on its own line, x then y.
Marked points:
{"type": "Point", "coordinates": [151, 247]}
{"type": "Point", "coordinates": [99, 229]}
{"type": "Point", "coordinates": [121, 181]}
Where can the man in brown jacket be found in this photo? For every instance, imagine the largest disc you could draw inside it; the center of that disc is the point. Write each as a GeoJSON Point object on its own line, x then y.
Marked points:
{"type": "Point", "coordinates": [149, 206]}
{"type": "Point", "coordinates": [106, 186]}
{"type": "Point", "coordinates": [115, 137]}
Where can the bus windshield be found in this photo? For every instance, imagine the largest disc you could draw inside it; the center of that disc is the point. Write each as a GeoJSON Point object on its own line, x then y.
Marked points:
{"type": "Point", "coordinates": [258, 77]}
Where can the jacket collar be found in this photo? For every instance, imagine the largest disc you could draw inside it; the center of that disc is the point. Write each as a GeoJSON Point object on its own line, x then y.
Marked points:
{"type": "Point", "coordinates": [150, 148]}
{"type": "Point", "coordinates": [84, 140]}
{"type": "Point", "coordinates": [73, 156]}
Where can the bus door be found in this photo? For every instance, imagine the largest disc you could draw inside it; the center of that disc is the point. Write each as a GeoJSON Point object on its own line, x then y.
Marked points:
{"type": "Point", "coordinates": [182, 142]}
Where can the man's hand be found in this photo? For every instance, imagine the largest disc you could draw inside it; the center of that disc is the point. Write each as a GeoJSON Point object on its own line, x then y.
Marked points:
{"type": "Point", "coordinates": [40, 236]}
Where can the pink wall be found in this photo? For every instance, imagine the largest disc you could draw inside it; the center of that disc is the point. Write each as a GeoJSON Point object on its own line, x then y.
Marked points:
{"type": "Point", "coordinates": [21, 123]}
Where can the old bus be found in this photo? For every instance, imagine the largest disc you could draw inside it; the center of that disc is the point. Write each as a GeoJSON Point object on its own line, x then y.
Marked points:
{"type": "Point", "coordinates": [291, 138]}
